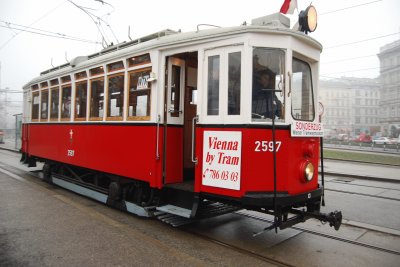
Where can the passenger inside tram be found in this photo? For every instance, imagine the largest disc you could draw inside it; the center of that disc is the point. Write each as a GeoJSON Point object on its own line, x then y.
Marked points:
{"type": "Point", "coordinates": [265, 102]}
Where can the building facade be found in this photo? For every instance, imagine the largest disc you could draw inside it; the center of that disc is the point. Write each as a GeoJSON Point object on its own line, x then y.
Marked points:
{"type": "Point", "coordinates": [350, 106]}
{"type": "Point", "coordinates": [389, 58]}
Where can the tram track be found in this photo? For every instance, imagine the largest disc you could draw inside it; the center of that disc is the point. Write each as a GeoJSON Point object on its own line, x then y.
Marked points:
{"type": "Point", "coordinates": [317, 233]}
{"type": "Point", "coordinates": [240, 250]}
{"type": "Point", "coordinates": [265, 258]}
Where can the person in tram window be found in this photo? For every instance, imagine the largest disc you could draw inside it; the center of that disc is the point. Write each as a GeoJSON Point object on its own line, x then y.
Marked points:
{"type": "Point", "coordinates": [265, 102]}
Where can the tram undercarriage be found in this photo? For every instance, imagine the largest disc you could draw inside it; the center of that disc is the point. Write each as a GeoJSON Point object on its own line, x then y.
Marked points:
{"type": "Point", "coordinates": [177, 204]}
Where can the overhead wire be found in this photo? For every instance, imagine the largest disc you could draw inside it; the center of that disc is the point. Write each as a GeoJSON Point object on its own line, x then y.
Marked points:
{"type": "Point", "coordinates": [43, 32]}
{"type": "Point", "coordinates": [350, 7]}
{"type": "Point", "coordinates": [34, 22]}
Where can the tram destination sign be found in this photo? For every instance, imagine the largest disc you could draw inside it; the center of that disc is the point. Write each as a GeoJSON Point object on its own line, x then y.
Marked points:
{"type": "Point", "coordinates": [307, 129]}
{"type": "Point", "coordinates": [222, 152]}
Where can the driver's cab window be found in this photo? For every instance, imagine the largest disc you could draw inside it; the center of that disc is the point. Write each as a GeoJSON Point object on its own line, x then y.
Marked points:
{"type": "Point", "coordinates": [268, 99]}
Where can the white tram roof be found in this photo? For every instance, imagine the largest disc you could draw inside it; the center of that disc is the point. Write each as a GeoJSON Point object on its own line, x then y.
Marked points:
{"type": "Point", "coordinates": [166, 39]}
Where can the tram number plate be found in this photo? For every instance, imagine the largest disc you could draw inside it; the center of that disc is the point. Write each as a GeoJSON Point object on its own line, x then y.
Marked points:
{"type": "Point", "coordinates": [267, 146]}
{"type": "Point", "coordinates": [70, 153]}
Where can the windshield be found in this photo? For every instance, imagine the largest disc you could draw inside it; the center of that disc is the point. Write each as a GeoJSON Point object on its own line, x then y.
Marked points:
{"type": "Point", "coordinates": [268, 83]}
{"type": "Point", "coordinates": [302, 91]}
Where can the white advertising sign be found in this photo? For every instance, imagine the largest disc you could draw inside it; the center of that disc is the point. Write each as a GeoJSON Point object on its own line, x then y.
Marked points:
{"type": "Point", "coordinates": [222, 153]}
{"type": "Point", "coordinates": [307, 129]}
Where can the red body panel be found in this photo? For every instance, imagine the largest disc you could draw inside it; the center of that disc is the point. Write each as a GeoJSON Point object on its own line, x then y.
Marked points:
{"type": "Point", "coordinates": [130, 151]}
{"type": "Point", "coordinates": [257, 167]}
{"type": "Point", "coordinates": [124, 150]}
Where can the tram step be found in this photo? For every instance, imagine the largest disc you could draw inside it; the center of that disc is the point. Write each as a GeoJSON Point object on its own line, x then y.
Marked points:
{"type": "Point", "coordinates": [171, 209]}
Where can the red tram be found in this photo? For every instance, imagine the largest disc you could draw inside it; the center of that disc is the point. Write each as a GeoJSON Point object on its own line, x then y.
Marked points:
{"type": "Point", "coordinates": [189, 124]}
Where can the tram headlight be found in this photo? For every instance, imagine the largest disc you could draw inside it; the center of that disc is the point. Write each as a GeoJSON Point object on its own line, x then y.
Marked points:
{"type": "Point", "coordinates": [308, 171]}
{"type": "Point", "coordinates": [308, 19]}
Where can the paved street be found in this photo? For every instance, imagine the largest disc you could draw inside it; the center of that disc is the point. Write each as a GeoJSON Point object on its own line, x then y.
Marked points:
{"type": "Point", "coordinates": [44, 225]}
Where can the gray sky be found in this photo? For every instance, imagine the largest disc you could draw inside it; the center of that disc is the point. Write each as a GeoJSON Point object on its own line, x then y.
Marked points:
{"type": "Point", "coordinates": [24, 55]}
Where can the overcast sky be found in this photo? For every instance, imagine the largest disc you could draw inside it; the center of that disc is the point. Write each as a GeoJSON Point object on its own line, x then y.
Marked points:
{"type": "Point", "coordinates": [24, 55]}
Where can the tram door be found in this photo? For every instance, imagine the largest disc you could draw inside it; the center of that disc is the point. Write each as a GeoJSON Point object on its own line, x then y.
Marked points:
{"type": "Point", "coordinates": [174, 126]}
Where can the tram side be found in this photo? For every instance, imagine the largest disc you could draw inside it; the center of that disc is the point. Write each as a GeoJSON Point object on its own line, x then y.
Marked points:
{"type": "Point", "coordinates": [96, 118]}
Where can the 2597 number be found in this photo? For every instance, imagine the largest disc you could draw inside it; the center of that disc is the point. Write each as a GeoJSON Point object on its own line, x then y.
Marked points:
{"type": "Point", "coordinates": [267, 146]}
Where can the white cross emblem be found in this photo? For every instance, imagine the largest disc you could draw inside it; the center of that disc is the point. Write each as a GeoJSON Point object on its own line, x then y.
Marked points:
{"type": "Point", "coordinates": [71, 133]}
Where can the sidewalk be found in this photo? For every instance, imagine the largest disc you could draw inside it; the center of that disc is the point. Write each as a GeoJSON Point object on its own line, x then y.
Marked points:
{"type": "Point", "coordinates": [9, 144]}
{"type": "Point", "coordinates": [365, 170]}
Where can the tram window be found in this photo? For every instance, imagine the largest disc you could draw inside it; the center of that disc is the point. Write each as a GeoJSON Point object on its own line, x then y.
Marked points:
{"type": "Point", "coordinates": [302, 91]}
{"type": "Point", "coordinates": [139, 95]}
{"type": "Point", "coordinates": [96, 99]}
{"type": "Point", "coordinates": [115, 97]}
{"type": "Point", "coordinates": [54, 82]}
{"type": "Point", "coordinates": [66, 102]}
{"type": "Point", "coordinates": [268, 75]}
{"type": "Point", "coordinates": [139, 60]}
{"type": "Point", "coordinates": [213, 86]}
{"type": "Point", "coordinates": [80, 75]}
{"type": "Point", "coordinates": [66, 79]}
{"type": "Point", "coordinates": [96, 71]}
{"type": "Point", "coordinates": [234, 80]}
{"type": "Point", "coordinates": [43, 84]}
{"type": "Point", "coordinates": [35, 106]}
{"type": "Point", "coordinates": [54, 103]}
{"type": "Point", "coordinates": [35, 87]}
{"type": "Point", "coordinates": [44, 105]}
{"type": "Point", "coordinates": [115, 66]}
{"type": "Point", "coordinates": [80, 101]}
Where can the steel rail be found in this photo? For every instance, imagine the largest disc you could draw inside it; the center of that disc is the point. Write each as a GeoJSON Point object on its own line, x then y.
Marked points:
{"type": "Point", "coordinates": [345, 240]}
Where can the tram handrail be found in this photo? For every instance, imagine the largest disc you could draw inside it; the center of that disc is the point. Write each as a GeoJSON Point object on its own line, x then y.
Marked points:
{"type": "Point", "coordinates": [194, 120]}
{"type": "Point", "coordinates": [158, 137]}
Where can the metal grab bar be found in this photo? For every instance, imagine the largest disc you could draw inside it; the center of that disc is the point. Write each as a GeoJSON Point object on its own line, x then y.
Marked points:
{"type": "Point", "coordinates": [158, 137]}
{"type": "Point", "coordinates": [194, 120]}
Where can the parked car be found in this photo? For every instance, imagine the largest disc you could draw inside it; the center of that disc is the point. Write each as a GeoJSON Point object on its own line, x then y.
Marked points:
{"type": "Point", "coordinates": [363, 138]}
{"type": "Point", "coordinates": [382, 141]}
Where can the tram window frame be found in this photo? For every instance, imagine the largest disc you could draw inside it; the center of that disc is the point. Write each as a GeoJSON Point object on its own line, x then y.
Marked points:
{"type": "Point", "coordinates": [66, 79]}
{"type": "Point", "coordinates": [84, 111]}
{"type": "Point", "coordinates": [35, 110]}
{"type": "Point", "coordinates": [54, 82]}
{"type": "Point", "coordinates": [44, 105]}
{"type": "Point", "coordinates": [213, 85]}
{"type": "Point", "coordinates": [133, 94]}
{"type": "Point", "coordinates": [273, 67]}
{"type": "Point", "coordinates": [304, 87]}
{"type": "Point", "coordinates": [107, 100]}
{"type": "Point", "coordinates": [80, 75]}
{"type": "Point", "coordinates": [65, 103]}
{"type": "Point", "coordinates": [96, 71]}
{"type": "Point", "coordinates": [52, 117]}
{"type": "Point", "coordinates": [92, 114]}
{"type": "Point", "coordinates": [139, 60]}
{"type": "Point", "coordinates": [234, 84]}
{"type": "Point", "coordinates": [114, 66]}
